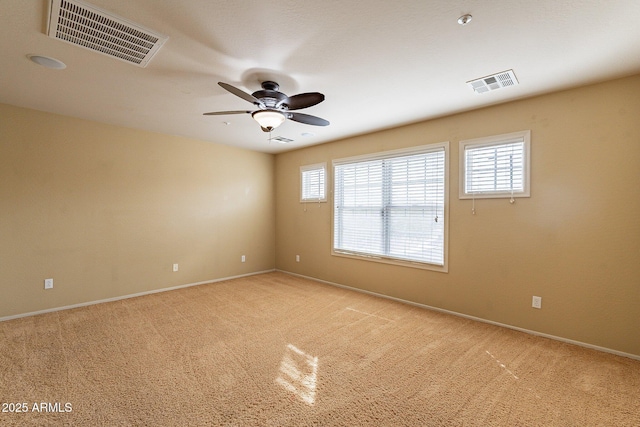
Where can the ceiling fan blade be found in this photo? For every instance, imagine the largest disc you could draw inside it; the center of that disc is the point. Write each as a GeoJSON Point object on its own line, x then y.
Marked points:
{"type": "Point", "coordinates": [240, 93]}
{"type": "Point", "coordinates": [307, 119]}
{"type": "Point", "coordinates": [221, 113]}
{"type": "Point", "coordinates": [303, 100]}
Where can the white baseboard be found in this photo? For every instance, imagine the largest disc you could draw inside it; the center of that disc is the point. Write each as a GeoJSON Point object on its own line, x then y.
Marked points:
{"type": "Point", "coordinates": [479, 319]}
{"type": "Point", "coordinates": [155, 291]}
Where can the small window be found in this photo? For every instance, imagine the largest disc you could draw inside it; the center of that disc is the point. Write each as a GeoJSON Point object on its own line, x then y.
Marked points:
{"type": "Point", "coordinates": [313, 183]}
{"type": "Point", "coordinates": [495, 166]}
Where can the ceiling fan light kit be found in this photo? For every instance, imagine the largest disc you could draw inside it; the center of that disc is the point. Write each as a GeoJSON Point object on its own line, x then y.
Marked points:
{"type": "Point", "coordinates": [268, 119]}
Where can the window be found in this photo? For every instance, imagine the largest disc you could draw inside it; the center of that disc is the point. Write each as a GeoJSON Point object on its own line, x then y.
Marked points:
{"type": "Point", "coordinates": [313, 183]}
{"type": "Point", "coordinates": [391, 206]}
{"type": "Point", "coordinates": [496, 166]}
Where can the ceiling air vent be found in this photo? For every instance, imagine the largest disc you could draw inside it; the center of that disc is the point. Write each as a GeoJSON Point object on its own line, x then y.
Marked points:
{"type": "Point", "coordinates": [281, 140]}
{"type": "Point", "coordinates": [87, 26]}
{"type": "Point", "coordinates": [493, 82]}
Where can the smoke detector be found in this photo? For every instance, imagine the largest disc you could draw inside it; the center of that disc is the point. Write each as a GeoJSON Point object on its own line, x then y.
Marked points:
{"type": "Point", "coordinates": [493, 82]}
{"type": "Point", "coordinates": [87, 26]}
{"type": "Point", "coordinates": [465, 19]}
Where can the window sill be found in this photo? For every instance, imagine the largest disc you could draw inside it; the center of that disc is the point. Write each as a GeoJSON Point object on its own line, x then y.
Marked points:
{"type": "Point", "coordinates": [392, 261]}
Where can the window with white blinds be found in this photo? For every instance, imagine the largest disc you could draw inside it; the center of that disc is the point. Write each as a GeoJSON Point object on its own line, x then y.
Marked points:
{"type": "Point", "coordinates": [496, 166]}
{"type": "Point", "coordinates": [392, 206]}
{"type": "Point", "coordinates": [313, 183]}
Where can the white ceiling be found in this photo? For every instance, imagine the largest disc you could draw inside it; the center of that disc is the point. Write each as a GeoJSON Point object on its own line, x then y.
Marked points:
{"type": "Point", "coordinates": [379, 63]}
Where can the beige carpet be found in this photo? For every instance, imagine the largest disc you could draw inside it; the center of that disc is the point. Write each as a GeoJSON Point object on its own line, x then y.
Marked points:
{"type": "Point", "coordinates": [277, 350]}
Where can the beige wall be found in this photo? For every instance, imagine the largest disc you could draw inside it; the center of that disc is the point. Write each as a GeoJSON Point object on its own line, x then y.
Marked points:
{"type": "Point", "coordinates": [575, 242]}
{"type": "Point", "coordinates": [105, 211]}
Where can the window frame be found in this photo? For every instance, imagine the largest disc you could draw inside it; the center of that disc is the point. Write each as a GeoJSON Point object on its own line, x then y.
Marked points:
{"type": "Point", "coordinates": [442, 146]}
{"type": "Point", "coordinates": [496, 140]}
{"type": "Point", "coordinates": [308, 168]}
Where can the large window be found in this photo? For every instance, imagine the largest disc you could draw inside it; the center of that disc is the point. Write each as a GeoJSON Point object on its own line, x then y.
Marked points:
{"type": "Point", "coordinates": [392, 206]}
{"type": "Point", "coordinates": [496, 166]}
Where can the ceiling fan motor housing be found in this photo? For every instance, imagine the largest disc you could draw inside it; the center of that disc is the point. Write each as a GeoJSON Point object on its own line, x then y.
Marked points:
{"type": "Point", "coordinates": [269, 85]}
{"type": "Point", "coordinates": [270, 95]}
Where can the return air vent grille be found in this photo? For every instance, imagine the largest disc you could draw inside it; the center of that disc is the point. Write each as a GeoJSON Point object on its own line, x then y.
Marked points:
{"type": "Point", "coordinates": [493, 82]}
{"type": "Point", "coordinates": [87, 26]}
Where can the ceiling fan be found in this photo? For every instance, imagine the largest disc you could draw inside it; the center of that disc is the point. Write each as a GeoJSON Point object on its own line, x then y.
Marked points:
{"type": "Point", "coordinates": [275, 107]}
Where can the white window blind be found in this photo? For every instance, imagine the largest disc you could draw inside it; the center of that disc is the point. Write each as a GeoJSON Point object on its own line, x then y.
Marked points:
{"type": "Point", "coordinates": [495, 166]}
{"type": "Point", "coordinates": [313, 183]}
{"type": "Point", "coordinates": [392, 207]}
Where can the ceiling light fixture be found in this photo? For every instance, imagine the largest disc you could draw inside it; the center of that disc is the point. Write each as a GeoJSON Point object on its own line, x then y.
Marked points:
{"type": "Point", "coordinates": [268, 119]}
{"type": "Point", "coordinates": [465, 19]}
{"type": "Point", "coordinates": [47, 62]}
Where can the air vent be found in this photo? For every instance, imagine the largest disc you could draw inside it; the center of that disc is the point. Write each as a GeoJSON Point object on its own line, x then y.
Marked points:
{"type": "Point", "coordinates": [87, 26]}
{"type": "Point", "coordinates": [493, 82]}
{"type": "Point", "coordinates": [281, 140]}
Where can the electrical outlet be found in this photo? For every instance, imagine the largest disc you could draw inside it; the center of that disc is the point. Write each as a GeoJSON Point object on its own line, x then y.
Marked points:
{"type": "Point", "coordinates": [536, 302]}
{"type": "Point", "coordinates": [175, 267]}
{"type": "Point", "coordinates": [48, 283]}
{"type": "Point", "coordinates": [243, 259]}
{"type": "Point", "coordinates": [297, 258]}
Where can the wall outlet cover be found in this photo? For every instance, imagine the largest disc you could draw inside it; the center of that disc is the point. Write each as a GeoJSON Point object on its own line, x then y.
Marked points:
{"type": "Point", "coordinates": [536, 302]}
